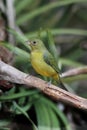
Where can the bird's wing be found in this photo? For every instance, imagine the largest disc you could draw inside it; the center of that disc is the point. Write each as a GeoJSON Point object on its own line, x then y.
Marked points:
{"type": "Point", "coordinates": [49, 59]}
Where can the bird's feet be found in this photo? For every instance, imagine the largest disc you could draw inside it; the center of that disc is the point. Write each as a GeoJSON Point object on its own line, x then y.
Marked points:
{"type": "Point", "coordinates": [49, 83]}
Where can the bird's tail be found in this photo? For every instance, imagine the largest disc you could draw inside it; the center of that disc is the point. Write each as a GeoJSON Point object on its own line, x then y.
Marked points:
{"type": "Point", "coordinates": [62, 85]}
{"type": "Point", "coordinates": [59, 82]}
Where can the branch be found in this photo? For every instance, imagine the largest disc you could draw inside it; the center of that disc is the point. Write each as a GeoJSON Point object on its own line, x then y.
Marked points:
{"type": "Point", "coordinates": [2, 6]}
{"type": "Point", "coordinates": [10, 18]}
{"type": "Point", "coordinates": [74, 72]}
{"type": "Point", "coordinates": [11, 74]}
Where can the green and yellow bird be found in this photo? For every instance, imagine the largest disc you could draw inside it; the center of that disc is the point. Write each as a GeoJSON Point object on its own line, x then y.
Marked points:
{"type": "Point", "coordinates": [42, 60]}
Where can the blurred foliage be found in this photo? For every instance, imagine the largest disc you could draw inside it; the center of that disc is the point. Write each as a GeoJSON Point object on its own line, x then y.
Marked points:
{"type": "Point", "coordinates": [64, 23]}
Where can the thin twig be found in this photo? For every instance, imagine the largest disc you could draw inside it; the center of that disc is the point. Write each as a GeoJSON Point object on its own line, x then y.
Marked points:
{"type": "Point", "coordinates": [10, 18]}
{"type": "Point", "coordinates": [2, 7]}
{"type": "Point", "coordinates": [74, 72]}
{"type": "Point", "coordinates": [11, 74]}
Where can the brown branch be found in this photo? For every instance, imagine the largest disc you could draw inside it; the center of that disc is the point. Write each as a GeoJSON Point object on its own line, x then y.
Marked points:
{"type": "Point", "coordinates": [74, 72]}
{"type": "Point", "coordinates": [11, 74]}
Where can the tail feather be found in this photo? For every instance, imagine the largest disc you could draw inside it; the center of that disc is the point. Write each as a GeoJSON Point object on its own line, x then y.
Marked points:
{"type": "Point", "coordinates": [59, 82]}
{"type": "Point", "coordinates": [63, 86]}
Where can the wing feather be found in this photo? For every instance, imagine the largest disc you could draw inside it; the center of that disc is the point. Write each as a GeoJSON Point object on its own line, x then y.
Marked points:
{"type": "Point", "coordinates": [50, 60]}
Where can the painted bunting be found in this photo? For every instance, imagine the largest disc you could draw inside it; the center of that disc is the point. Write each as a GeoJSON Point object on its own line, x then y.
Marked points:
{"type": "Point", "coordinates": [43, 61]}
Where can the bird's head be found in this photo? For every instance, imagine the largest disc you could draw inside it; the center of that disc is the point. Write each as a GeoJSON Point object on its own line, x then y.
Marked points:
{"type": "Point", "coordinates": [36, 44]}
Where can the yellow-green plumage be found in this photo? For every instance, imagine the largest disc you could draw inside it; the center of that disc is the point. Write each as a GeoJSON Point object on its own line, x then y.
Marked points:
{"type": "Point", "coordinates": [42, 61]}
{"type": "Point", "coordinates": [41, 66]}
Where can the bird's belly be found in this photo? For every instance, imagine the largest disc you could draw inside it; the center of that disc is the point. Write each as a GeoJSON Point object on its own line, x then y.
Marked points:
{"type": "Point", "coordinates": [42, 68]}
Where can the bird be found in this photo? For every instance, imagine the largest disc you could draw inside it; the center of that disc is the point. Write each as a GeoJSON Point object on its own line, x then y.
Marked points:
{"type": "Point", "coordinates": [43, 61]}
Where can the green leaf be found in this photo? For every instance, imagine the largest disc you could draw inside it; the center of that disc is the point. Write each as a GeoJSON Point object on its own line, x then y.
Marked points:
{"type": "Point", "coordinates": [22, 38]}
{"type": "Point", "coordinates": [21, 5]}
{"type": "Point", "coordinates": [49, 121]}
{"type": "Point", "coordinates": [46, 8]}
{"type": "Point", "coordinates": [17, 95]}
{"type": "Point", "coordinates": [44, 106]}
{"type": "Point", "coordinates": [4, 122]}
{"type": "Point", "coordinates": [52, 44]}
{"type": "Point", "coordinates": [55, 124]}
{"type": "Point", "coordinates": [1, 128]}
{"type": "Point", "coordinates": [69, 62]}
{"type": "Point", "coordinates": [17, 51]}
{"type": "Point", "coordinates": [24, 113]}
{"type": "Point", "coordinates": [61, 31]}
{"type": "Point", "coordinates": [58, 112]}
{"type": "Point", "coordinates": [43, 121]}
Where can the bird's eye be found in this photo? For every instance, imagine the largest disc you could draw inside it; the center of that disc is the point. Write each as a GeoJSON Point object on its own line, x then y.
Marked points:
{"type": "Point", "coordinates": [34, 42]}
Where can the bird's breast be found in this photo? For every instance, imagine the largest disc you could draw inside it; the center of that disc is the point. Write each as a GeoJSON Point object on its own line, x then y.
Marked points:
{"type": "Point", "coordinates": [41, 66]}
